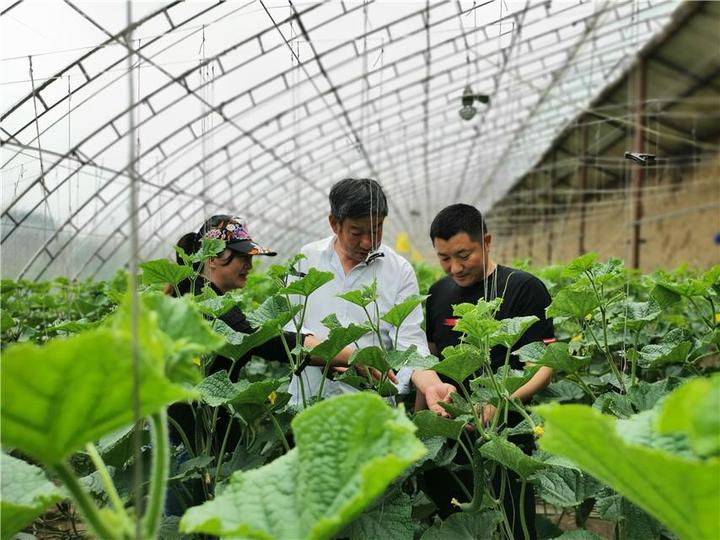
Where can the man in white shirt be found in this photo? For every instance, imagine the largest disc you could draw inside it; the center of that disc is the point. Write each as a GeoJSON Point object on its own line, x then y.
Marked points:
{"type": "Point", "coordinates": [356, 257]}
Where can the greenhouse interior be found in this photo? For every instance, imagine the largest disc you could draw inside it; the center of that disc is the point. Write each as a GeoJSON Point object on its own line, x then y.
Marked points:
{"type": "Point", "coordinates": [356, 269]}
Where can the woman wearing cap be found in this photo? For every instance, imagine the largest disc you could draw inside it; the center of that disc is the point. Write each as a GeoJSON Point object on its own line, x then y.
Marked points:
{"type": "Point", "coordinates": [225, 272]}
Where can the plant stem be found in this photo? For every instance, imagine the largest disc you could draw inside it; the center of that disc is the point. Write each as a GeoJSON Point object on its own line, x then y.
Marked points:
{"type": "Point", "coordinates": [220, 456]}
{"type": "Point", "coordinates": [211, 431]}
{"type": "Point", "coordinates": [606, 349]}
{"type": "Point", "coordinates": [299, 377]}
{"type": "Point", "coordinates": [375, 329]}
{"type": "Point", "coordinates": [585, 387]}
{"type": "Point", "coordinates": [478, 483]}
{"type": "Point", "coordinates": [478, 421]}
{"type": "Point", "coordinates": [291, 360]}
{"type": "Point", "coordinates": [609, 359]}
{"type": "Point", "coordinates": [460, 484]}
{"type": "Point", "coordinates": [183, 436]}
{"type": "Point", "coordinates": [85, 505]}
{"type": "Point", "coordinates": [160, 469]}
{"type": "Point", "coordinates": [633, 361]}
{"type": "Point", "coordinates": [278, 429]}
{"type": "Point", "coordinates": [523, 521]}
{"type": "Point", "coordinates": [700, 313]}
{"type": "Point", "coordinates": [712, 309]}
{"type": "Point", "coordinates": [106, 480]}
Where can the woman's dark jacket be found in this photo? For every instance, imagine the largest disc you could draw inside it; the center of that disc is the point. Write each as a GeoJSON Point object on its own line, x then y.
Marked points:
{"type": "Point", "coordinates": [272, 349]}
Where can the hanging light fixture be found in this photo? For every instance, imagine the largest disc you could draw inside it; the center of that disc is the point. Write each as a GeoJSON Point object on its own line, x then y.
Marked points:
{"type": "Point", "coordinates": [467, 111]}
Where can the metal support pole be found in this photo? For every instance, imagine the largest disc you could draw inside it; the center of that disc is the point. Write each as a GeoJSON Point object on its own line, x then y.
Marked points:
{"type": "Point", "coordinates": [550, 225]}
{"type": "Point", "coordinates": [638, 172]}
{"type": "Point", "coordinates": [583, 181]}
{"type": "Point", "coordinates": [531, 232]}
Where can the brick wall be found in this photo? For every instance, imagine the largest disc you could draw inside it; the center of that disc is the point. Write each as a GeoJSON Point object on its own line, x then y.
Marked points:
{"type": "Point", "coordinates": [681, 219]}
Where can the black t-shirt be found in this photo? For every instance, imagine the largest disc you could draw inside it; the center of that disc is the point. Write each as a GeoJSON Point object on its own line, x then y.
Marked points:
{"type": "Point", "coordinates": [522, 293]}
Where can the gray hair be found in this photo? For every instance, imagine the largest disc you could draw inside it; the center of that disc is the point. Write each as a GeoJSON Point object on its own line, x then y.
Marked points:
{"type": "Point", "coordinates": [357, 198]}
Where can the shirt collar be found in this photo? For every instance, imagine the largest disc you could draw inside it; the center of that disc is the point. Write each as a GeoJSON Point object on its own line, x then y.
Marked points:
{"type": "Point", "coordinates": [332, 254]}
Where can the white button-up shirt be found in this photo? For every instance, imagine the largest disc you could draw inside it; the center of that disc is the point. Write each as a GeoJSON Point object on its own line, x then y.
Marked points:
{"type": "Point", "coordinates": [395, 282]}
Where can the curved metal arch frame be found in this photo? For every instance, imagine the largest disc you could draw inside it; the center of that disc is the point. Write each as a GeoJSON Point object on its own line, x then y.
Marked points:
{"type": "Point", "coordinates": [200, 161]}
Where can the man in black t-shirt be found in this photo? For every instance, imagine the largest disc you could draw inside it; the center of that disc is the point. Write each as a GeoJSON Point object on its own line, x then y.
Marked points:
{"type": "Point", "coordinates": [462, 244]}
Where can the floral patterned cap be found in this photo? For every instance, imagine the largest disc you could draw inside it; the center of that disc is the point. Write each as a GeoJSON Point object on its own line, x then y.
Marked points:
{"type": "Point", "coordinates": [234, 232]}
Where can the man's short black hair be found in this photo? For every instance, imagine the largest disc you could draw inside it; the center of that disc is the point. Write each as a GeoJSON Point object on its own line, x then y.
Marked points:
{"type": "Point", "coordinates": [458, 218]}
{"type": "Point", "coordinates": [357, 198]}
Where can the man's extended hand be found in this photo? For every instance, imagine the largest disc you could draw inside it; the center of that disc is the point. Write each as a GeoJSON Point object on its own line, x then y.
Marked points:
{"type": "Point", "coordinates": [435, 394]}
{"type": "Point", "coordinates": [488, 413]}
{"type": "Point", "coordinates": [362, 370]}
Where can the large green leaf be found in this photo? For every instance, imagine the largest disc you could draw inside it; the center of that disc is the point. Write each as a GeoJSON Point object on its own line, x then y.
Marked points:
{"type": "Point", "coordinates": [603, 273]}
{"type": "Point", "coordinates": [117, 448]}
{"type": "Point", "coordinates": [509, 455]}
{"type": "Point", "coordinates": [579, 265]}
{"type": "Point", "coordinates": [460, 361]}
{"type": "Point", "coordinates": [349, 449]}
{"type": "Point", "coordinates": [579, 534]}
{"type": "Point", "coordinates": [209, 247]}
{"type": "Point", "coordinates": [505, 378]}
{"type": "Point", "coordinates": [511, 330]}
{"type": "Point", "coordinates": [693, 409]}
{"type": "Point", "coordinates": [274, 310]}
{"type": "Point", "coordinates": [238, 344]}
{"type": "Point", "coordinates": [643, 395]}
{"type": "Point", "coordinates": [389, 519]}
{"type": "Point", "coordinates": [692, 287]}
{"type": "Point", "coordinates": [372, 356]}
{"type": "Point", "coordinates": [465, 526]}
{"type": "Point", "coordinates": [399, 312]}
{"type": "Point", "coordinates": [637, 315]}
{"type": "Point", "coordinates": [640, 429]}
{"type": "Point", "coordinates": [410, 358]}
{"type": "Point", "coordinates": [562, 390]}
{"type": "Point", "coordinates": [216, 306]}
{"type": "Point", "coordinates": [663, 296]}
{"type": "Point", "coordinates": [163, 271]}
{"type": "Point", "coordinates": [25, 494]}
{"type": "Point", "coordinates": [555, 356]}
{"type": "Point", "coordinates": [218, 389]}
{"type": "Point", "coordinates": [339, 338]}
{"type": "Point", "coordinates": [191, 335]}
{"type": "Point", "coordinates": [572, 303]}
{"type": "Point", "coordinates": [681, 493]}
{"type": "Point", "coordinates": [430, 424]}
{"type": "Point", "coordinates": [305, 286]}
{"type": "Point", "coordinates": [272, 316]}
{"type": "Point", "coordinates": [362, 297]}
{"type": "Point", "coordinates": [477, 321]}
{"type": "Point", "coordinates": [673, 348]}
{"type": "Point", "coordinates": [58, 397]}
{"type": "Point", "coordinates": [563, 486]}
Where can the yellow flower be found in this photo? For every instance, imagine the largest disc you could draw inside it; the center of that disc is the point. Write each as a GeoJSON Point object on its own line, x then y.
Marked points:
{"type": "Point", "coordinates": [717, 317]}
{"type": "Point", "coordinates": [196, 360]}
{"type": "Point", "coordinates": [577, 337]}
{"type": "Point", "coordinates": [272, 397]}
{"type": "Point", "coordinates": [588, 317]}
{"type": "Point", "coordinates": [538, 431]}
